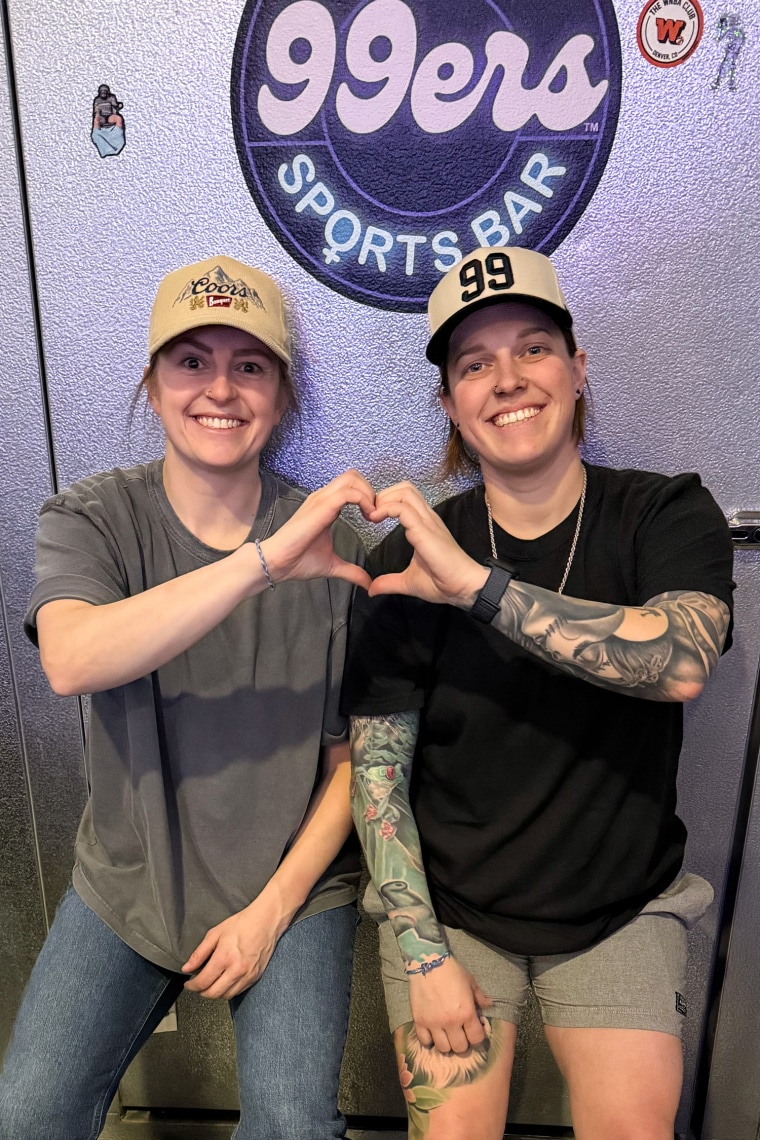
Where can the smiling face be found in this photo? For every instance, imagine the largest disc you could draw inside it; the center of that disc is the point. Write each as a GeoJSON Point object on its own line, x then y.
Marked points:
{"type": "Point", "coordinates": [218, 393]}
{"type": "Point", "coordinates": [512, 389]}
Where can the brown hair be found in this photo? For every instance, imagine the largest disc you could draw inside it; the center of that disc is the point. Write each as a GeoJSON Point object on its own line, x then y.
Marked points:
{"type": "Point", "coordinates": [459, 460]}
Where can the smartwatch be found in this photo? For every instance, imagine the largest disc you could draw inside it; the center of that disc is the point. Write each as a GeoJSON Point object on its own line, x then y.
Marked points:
{"type": "Point", "coordinates": [487, 603]}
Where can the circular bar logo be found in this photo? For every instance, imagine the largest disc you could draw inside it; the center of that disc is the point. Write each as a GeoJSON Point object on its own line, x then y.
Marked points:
{"type": "Point", "coordinates": [669, 31]}
{"type": "Point", "coordinates": [382, 140]}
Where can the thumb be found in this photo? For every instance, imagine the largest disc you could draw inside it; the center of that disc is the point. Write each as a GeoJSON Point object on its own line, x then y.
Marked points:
{"type": "Point", "coordinates": [200, 954]}
{"type": "Point", "coordinates": [481, 1000]}
{"type": "Point", "coordinates": [390, 584]}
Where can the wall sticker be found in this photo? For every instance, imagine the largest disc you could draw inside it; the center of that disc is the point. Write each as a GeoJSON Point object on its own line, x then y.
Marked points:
{"type": "Point", "coordinates": [729, 31]}
{"type": "Point", "coordinates": [381, 140]}
{"type": "Point", "coordinates": [669, 31]}
{"type": "Point", "coordinates": [107, 123]}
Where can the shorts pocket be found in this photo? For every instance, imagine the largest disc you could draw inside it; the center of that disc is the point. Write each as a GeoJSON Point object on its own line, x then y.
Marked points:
{"type": "Point", "coordinates": [687, 898]}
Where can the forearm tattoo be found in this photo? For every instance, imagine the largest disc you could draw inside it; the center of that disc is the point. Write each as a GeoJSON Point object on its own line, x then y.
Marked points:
{"type": "Point", "coordinates": [664, 651]}
{"type": "Point", "coordinates": [382, 749]}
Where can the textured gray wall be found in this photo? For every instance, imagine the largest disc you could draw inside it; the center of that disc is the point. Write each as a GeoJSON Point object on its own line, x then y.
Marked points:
{"type": "Point", "coordinates": [663, 279]}
{"type": "Point", "coordinates": [40, 756]}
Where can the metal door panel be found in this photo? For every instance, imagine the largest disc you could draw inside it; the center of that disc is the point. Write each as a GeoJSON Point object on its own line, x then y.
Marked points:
{"type": "Point", "coordinates": [36, 836]}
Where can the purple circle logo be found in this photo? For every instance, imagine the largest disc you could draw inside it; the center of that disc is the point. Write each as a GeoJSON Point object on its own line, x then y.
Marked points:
{"type": "Point", "coordinates": [384, 140]}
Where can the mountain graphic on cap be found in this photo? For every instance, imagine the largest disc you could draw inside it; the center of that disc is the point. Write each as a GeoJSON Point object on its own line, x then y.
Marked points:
{"type": "Point", "coordinates": [217, 276]}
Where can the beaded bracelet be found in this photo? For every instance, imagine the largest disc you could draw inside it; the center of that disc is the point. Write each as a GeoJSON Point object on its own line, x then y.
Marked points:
{"type": "Point", "coordinates": [426, 967]}
{"type": "Point", "coordinates": [260, 553]}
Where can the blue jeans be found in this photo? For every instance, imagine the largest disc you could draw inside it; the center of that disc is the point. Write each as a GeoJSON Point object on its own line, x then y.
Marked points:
{"type": "Point", "coordinates": [92, 1002]}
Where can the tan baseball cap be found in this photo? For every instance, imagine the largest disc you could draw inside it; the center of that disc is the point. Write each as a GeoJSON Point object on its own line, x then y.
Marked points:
{"type": "Point", "coordinates": [219, 291]}
{"type": "Point", "coordinates": [488, 276]}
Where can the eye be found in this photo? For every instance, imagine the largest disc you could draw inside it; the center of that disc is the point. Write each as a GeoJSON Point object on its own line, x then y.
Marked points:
{"type": "Point", "coordinates": [474, 367]}
{"type": "Point", "coordinates": [191, 362]}
{"type": "Point", "coordinates": [535, 350]}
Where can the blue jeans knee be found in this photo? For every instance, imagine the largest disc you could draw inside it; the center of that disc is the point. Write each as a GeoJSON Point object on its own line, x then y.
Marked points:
{"type": "Point", "coordinates": [89, 1005]}
{"type": "Point", "coordinates": [290, 1030]}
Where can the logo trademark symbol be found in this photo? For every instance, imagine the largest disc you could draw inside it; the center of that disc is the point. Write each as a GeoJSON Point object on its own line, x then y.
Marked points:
{"type": "Point", "coordinates": [356, 125]}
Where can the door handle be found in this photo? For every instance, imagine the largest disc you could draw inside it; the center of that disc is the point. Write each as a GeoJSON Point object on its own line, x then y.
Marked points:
{"type": "Point", "coordinates": [745, 528]}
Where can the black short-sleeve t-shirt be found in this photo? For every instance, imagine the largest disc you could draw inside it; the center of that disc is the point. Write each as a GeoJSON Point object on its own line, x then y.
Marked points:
{"type": "Point", "coordinates": [546, 806]}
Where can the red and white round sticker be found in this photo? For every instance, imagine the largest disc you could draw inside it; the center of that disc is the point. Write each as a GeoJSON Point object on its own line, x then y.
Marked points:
{"type": "Point", "coordinates": [669, 31]}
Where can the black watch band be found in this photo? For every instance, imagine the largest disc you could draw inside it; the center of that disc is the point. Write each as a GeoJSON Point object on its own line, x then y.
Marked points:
{"type": "Point", "coordinates": [488, 600]}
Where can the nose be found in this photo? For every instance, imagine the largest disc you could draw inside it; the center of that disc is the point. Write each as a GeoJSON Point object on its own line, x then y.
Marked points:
{"type": "Point", "coordinates": [221, 389]}
{"type": "Point", "coordinates": [506, 376]}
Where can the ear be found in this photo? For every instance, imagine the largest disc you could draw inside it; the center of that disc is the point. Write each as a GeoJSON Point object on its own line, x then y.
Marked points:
{"type": "Point", "coordinates": [150, 389]}
{"type": "Point", "coordinates": [579, 362]}
{"type": "Point", "coordinates": [447, 405]}
{"type": "Point", "coordinates": [283, 403]}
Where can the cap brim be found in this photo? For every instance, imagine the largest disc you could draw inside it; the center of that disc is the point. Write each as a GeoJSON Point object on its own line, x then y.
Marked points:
{"type": "Point", "coordinates": [439, 342]}
{"type": "Point", "coordinates": [230, 321]}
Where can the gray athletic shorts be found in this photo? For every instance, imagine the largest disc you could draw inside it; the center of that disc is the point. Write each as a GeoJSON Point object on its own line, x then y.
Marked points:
{"type": "Point", "coordinates": [635, 979]}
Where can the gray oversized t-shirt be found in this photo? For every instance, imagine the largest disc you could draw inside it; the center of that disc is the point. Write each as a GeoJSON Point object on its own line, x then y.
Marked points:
{"type": "Point", "coordinates": [201, 772]}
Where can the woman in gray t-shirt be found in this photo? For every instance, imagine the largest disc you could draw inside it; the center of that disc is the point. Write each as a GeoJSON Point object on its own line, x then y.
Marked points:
{"type": "Point", "coordinates": [202, 602]}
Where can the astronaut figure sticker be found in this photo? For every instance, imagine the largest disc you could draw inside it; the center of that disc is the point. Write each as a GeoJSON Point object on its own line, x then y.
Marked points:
{"type": "Point", "coordinates": [383, 140]}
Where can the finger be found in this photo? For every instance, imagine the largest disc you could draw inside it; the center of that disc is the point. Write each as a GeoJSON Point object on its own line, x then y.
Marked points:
{"type": "Point", "coordinates": [240, 986]}
{"type": "Point", "coordinates": [351, 487]}
{"type": "Point", "coordinates": [424, 1035]}
{"type": "Point", "coordinates": [474, 1031]}
{"type": "Point", "coordinates": [203, 981]}
{"type": "Point", "coordinates": [481, 1000]}
{"type": "Point", "coordinates": [353, 477]}
{"type": "Point", "coordinates": [219, 989]}
{"type": "Point", "coordinates": [401, 491]}
{"type": "Point", "coordinates": [203, 951]}
{"type": "Point", "coordinates": [407, 512]}
{"type": "Point", "coordinates": [350, 572]}
{"type": "Point", "coordinates": [459, 1040]}
{"type": "Point", "coordinates": [441, 1040]}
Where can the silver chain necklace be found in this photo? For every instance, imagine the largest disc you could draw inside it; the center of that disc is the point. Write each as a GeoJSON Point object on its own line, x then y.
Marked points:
{"type": "Point", "coordinates": [575, 536]}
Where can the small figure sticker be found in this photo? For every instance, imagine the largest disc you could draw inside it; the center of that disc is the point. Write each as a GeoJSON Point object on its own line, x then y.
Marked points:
{"type": "Point", "coordinates": [729, 30]}
{"type": "Point", "coordinates": [107, 122]}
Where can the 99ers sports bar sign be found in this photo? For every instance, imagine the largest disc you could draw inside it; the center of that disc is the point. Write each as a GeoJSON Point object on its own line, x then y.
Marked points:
{"type": "Point", "coordinates": [383, 140]}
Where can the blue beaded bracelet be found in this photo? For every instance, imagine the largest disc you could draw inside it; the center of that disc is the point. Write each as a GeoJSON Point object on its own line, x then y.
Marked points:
{"type": "Point", "coordinates": [426, 967]}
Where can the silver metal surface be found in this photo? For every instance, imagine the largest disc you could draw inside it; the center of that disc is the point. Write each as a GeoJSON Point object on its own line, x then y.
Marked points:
{"type": "Point", "coordinates": [745, 528]}
{"type": "Point", "coordinates": [733, 1095]}
{"type": "Point", "coordinates": [663, 279]}
{"type": "Point", "coordinates": [35, 837]}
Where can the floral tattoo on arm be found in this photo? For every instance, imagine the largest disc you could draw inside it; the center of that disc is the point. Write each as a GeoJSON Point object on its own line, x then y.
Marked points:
{"type": "Point", "coordinates": [663, 651]}
{"type": "Point", "coordinates": [382, 749]}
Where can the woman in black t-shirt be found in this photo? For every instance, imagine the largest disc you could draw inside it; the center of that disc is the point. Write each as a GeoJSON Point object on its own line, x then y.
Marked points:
{"type": "Point", "coordinates": [529, 645]}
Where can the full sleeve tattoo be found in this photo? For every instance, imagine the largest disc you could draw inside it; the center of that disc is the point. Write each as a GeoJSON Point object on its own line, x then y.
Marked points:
{"type": "Point", "coordinates": [382, 749]}
{"type": "Point", "coordinates": [663, 651]}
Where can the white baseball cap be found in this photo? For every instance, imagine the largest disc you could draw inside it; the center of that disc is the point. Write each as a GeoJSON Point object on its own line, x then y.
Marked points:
{"type": "Point", "coordinates": [488, 276]}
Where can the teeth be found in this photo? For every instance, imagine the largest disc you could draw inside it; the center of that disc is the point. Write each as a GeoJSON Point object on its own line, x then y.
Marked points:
{"type": "Point", "coordinates": [515, 417]}
{"type": "Point", "coordinates": [217, 422]}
